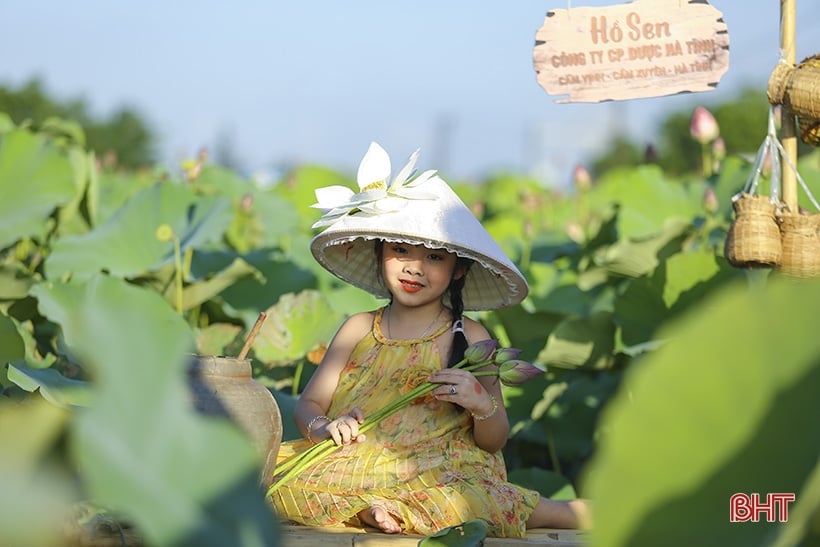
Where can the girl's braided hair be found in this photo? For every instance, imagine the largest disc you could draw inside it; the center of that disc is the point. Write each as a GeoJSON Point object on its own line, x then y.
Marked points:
{"type": "Point", "coordinates": [457, 310]}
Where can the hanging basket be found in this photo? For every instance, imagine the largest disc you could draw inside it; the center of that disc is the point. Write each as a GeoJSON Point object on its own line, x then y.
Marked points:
{"type": "Point", "coordinates": [800, 236]}
{"type": "Point", "coordinates": [754, 239]}
{"type": "Point", "coordinates": [798, 87]}
{"type": "Point", "coordinates": [810, 130]}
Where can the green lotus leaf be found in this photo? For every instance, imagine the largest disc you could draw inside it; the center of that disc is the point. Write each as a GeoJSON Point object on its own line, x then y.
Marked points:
{"type": "Point", "coordinates": [6, 123]}
{"type": "Point", "coordinates": [53, 386]}
{"type": "Point", "coordinates": [115, 188]}
{"type": "Point", "coordinates": [466, 534]}
{"type": "Point", "coordinates": [568, 416]}
{"type": "Point", "coordinates": [36, 494]}
{"type": "Point", "coordinates": [298, 323]}
{"type": "Point", "coordinates": [214, 339]}
{"type": "Point", "coordinates": [690, 277]}
{"type": "Point", "coordinates": [634, 188]}
{"type": "Point", "coordinates": [12, 346]}
{"type": "Point", "coordinates": [141, 449]}
{"type": "Point", "coordinates": [275, 276]}
{"type": "Point", "coordinates": [580, 342]}
{"type": "Point", "coordinates": [299, 186]}
{"type": "Point", "coordinates": [126, 245]}
{"type": "Point", "coordinates": [36, 178]}
{"type": "Point", "coordinates": [728, 405]}
{"type": "Point", "coordinates": [203, 291]}
{"type": "Point", "coordinates": [640, 310]}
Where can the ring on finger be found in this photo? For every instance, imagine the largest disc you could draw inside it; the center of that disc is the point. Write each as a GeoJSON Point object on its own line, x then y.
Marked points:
{"type": "Point", "coordinates": [453, 390]}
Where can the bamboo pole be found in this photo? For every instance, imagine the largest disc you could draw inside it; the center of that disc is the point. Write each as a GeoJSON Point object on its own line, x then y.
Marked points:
{"type": "Point", "coordinates": [788, 128]}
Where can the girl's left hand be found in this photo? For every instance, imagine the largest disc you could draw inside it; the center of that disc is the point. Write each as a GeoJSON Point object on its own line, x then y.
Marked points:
{"type": "Point", "coordinates": [462, 388]}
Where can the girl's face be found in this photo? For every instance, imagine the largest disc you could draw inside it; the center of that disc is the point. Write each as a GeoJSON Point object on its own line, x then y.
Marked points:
{"type": "Point", "coordinates": [415, 274]}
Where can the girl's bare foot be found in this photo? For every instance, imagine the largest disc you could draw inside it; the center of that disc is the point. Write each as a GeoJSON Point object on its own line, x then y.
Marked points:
{"type": "Point", "coordinates": [583, 512]}
{"type": "Point", "coordinates": [561, 514]}
{"type": "Point", "coordinates": [378, 517]}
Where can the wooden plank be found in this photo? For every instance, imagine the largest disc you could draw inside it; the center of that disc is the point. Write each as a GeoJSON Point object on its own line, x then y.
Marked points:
{"type": "Point", "coordinates": [646, 48]}
{"type": "Point", "coordinates": [306, 536]}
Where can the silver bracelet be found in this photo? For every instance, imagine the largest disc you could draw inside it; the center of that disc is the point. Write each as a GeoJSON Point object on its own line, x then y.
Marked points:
{"type": "Point", "coordinates": [490, 414]}
{"type": "Point", "coordinates": [310, 426]}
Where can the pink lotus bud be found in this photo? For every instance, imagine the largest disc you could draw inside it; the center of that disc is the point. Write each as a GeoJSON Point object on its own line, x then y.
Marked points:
{"type": "Point", "coordinates": [710, 201]}
{"type": "Point", "coordinates": [703, 128]}
{"type": "Point", "coordinates": [582, 178]}
{"type": "Point", "coordinates": [246, 204]}
{"type": "Point", "coordinates": [480, 352]}
{"type": "Point", "coordinates": [719, 149]}
{"type": "Point", "coordinates": [516, 372]}
{"type": "Point", "coordinates": [506, 354]}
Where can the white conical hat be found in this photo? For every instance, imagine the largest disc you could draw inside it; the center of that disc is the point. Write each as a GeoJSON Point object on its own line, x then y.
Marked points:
{"type": "Point", "coordinates": [424, 210]}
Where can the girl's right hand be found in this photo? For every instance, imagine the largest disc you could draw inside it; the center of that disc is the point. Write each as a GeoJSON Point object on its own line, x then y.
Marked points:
{"type": "Point", "coordinates": [345, 429]}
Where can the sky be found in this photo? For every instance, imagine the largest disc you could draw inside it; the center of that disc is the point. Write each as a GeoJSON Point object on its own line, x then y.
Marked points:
{"type": "Point", "coordinates": [316, 81]}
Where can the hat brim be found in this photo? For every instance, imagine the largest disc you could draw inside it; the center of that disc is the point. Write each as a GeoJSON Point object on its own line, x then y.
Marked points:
{"type": "Point", "coordinates": [346, 248]}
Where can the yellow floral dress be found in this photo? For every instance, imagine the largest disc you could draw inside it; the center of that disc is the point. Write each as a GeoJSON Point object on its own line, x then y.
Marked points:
{"type": "Point", "coordinates": [421, 464]}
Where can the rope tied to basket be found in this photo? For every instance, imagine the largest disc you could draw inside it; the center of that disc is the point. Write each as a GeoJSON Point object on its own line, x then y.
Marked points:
{"type": "Point", "coordinates": [753, 240]}
{"type": "Point", "coordinates": [766, 233]}
{"type": "Point", "coordinates": [773, 149]}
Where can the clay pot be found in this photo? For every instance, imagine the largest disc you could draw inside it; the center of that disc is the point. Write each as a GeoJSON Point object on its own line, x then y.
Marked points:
{"type": "Point", "coordinates": [223, 386]}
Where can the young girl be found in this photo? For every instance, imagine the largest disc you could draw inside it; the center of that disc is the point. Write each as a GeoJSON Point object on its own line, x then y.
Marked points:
{"type": "Point", "coordinates": [438, 462]}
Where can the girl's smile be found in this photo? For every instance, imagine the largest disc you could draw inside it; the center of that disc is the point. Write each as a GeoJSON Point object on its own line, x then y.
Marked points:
{"type": "Point", "coordinates": [410, 286]}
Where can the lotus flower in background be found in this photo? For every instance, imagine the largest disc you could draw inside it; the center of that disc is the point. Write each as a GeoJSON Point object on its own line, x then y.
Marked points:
{"type": "Point", "coordinates": [704, 127]}
{"type": "Point", "coordinates": [582, 178]}
{"type": "Point", "coordinates": [719, 149]}
{"type": "Point", "coordinates": [710, 201]}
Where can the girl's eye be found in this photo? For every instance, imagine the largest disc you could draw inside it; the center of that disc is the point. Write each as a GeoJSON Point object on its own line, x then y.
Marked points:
{"type": "Point", "coordinates": [398, 249]}
{"type": "Point", "coordinates": [436, 257]}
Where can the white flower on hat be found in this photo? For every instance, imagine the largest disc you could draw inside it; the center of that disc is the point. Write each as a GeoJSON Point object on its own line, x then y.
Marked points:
{"type": "Point", "coordinates": [377, 193]}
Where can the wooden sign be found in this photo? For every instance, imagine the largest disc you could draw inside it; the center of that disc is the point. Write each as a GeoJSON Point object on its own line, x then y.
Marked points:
{"type": "Point", "coordinates": [647, 48]}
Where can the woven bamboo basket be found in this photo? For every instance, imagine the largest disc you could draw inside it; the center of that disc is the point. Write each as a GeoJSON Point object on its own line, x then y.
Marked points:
{"type": "Point", "coordinates": [800, 236]}
{"type": "Point", "coordinates": [809, 130]}
{"type": "Point", "coordinates": [798, 87]}
{"type": "Point", "coordinates": [754, 238]}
